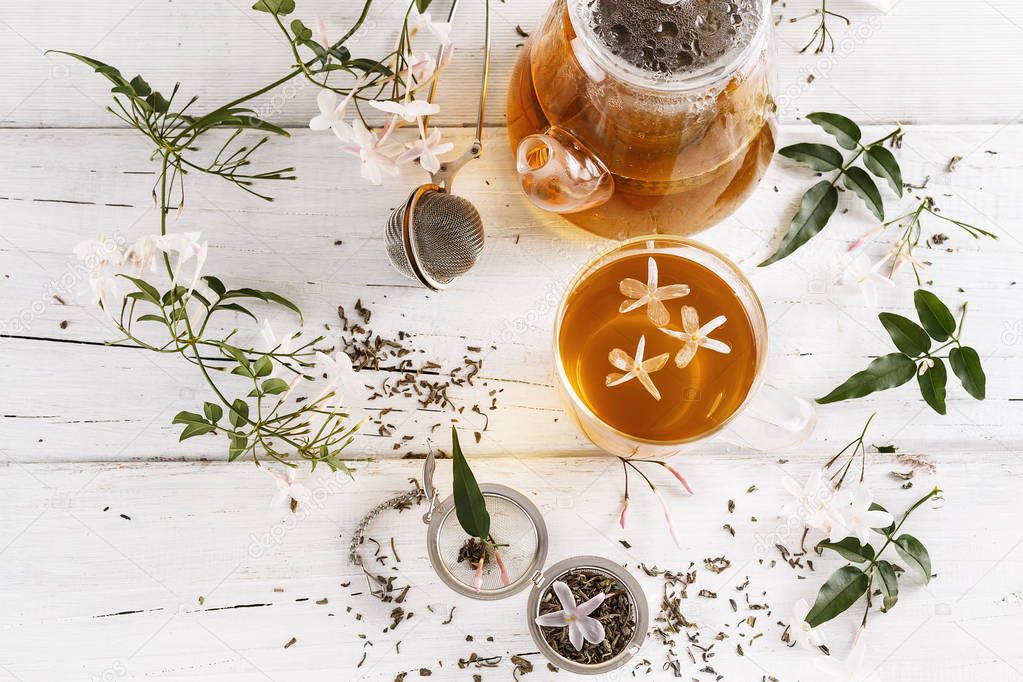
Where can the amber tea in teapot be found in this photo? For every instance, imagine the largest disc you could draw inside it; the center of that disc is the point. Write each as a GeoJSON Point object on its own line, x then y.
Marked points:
{"type": "Point", "coordinates": [638, 116]}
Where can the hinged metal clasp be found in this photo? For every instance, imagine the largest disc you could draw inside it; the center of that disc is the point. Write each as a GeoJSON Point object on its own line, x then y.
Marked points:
{"type": "Point", "coordinates": [536, 578]}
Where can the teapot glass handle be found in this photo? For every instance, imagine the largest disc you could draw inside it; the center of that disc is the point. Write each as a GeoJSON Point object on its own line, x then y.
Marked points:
{"type": "Point", "coordinates": [559, 174]}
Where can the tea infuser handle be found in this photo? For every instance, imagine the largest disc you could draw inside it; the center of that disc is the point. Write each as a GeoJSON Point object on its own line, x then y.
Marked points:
{"type": "Point", "coordinates": [429, 466]}
{"type": "Point", "coordinates": [559, 174]}
{"type": "Point", "coordinates": [774, 419]}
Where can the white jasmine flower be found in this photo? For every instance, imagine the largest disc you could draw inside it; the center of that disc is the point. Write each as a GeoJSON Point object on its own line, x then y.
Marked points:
{"type": "Point", "coordinates": [409, 111]}
{"type": "Point", "coordinates": [142, 254]}
{"type": "Point", "coordinates": [421, 67]}
{"type": "Point", "coordinates": [288, 488]}
{"type": "Point", "coordinates": [427, 149]}
{"type": "Point", "coordinates": [852, 669]}
{"type": "Point", "coordinates": [925, 365]}
{"type": "Point", "coordinates": [105, 290]}
{"type": "Point", "coordinates": [366, 145]}
{"type": "Point", "coordinates": [581, 626]}
{"type": "Point", "coordinates": [694, 336]}
{"type": "Point", "coordinates": [859, 273]}
{"type": "Point", "coordinates": [818, 504]}
{"type": "Point", "coordinates": [440, 29]}
{"type": "Point", "coordinates": [636, 367]}
{"type": "Point", "coordinates": [341, 377]}
{"type": "Point", "coordinates": [802, 633]}
{"type": "Point", "coordinates": [99, 253]}
{"type": "Point", "coordinates": [859, 518]}
{"type": "Point", "coordinates": [330, 112]}
{"type": "Point", "coordinates": [650, 295]}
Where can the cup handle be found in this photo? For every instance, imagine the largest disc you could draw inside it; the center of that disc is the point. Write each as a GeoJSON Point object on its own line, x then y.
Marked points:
{"type": "Point", "coordinates": [774, 419]}
{"type": "Point", "coordinates": [559, 174]}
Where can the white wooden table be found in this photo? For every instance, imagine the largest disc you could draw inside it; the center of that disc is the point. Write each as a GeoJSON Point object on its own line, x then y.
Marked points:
{"type": "Point", "coordinates": [126, 556]}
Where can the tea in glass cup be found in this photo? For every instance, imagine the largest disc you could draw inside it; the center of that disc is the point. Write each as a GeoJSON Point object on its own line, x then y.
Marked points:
{"type": "Point", "coordinates": [660, 344]}
{"type": "Point", "coordinates": [638, 116]}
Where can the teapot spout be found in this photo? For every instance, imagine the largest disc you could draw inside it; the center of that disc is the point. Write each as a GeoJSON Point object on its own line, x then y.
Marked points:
{"type": "Point", "coordinates": [560, 175]}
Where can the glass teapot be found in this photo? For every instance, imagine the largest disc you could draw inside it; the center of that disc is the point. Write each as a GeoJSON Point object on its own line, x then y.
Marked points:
{"type": "Point", "coordinates": [637, 116]}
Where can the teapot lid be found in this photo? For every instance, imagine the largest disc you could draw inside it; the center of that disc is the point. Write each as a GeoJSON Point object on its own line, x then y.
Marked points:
{"type": "Point", "coordinates": [671, 45]}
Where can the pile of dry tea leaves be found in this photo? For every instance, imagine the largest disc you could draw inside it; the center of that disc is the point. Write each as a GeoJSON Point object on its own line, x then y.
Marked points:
{"type": "Point", "coordinates": [402, 373]}
{"type": "Point", "coordinates": [617, 614]}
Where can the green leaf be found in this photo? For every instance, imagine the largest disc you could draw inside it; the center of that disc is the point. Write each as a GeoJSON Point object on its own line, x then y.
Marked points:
{"type": "Point", "coordinates": [470, 507]}
{"type": "Point", "coordinates": [844, 130]}
{"type": "Point", "coordinates": [150, 318]}
{"type": "Point", "coordinates": [301, 31]}
{"type": "Point", "coordinates": [239, 443]}
{"type": "Point", "coordinates": [851, 549]}
{"type": "Point", "coordinates": [881, 162]}
{"type": "Point", "coordinates": [280, 300]}
{"type": "Point", "coordinates": [193, 430]}
{"type": "Point", "coordinates": [148, 291]}
{"type": "Point", "coordinates": [819, 157]}
{"type": "Point", "coordinates": [140, 86]}
{"type": "Point", "coordinates": [815, 210]}
{"type": "Point", "coordinates": [966, 364]}
{"type": "Point", "coordinates": [888, 530]}
{"type": "Point", "coordinates": [841, 591]}
{"type": "Point", "coordinates": [107, 71]}
{"type": "Point", "coordinates": [239, 413]}
{"type": "Point", "coordinates": [887, 371]}
{"type": "Point", "coordinates": [213, 412]}
{"type": "Point", "coordinates": [263, 366]}
{"type": "Point", "coordinates": [215, 284]}
{"type": "Point", "coordinates": [908, 336]}
{"type": "Point", "coordinates": [914, 553]}
{"type": "Point", "coordinates": [860, 182]}
{"type": "Point", "coordinates": [889, 584]}
{"type": "Point", "coordinates": [274, 386]}
{"type": "Point", "coordinates": [421, 5]}
{"type": "Point", "coordinates": [278, 7]}
{"type": "Point", "coordinates": [932, 385]}
{"type": "Point", "coordinates": [188, 418]}
{"type": "Point", "coordinates": [236, 353]}
{"type": "Point", "coordinates": [934, 315]}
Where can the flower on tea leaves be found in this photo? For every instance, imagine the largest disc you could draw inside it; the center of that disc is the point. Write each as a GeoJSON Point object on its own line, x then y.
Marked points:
{"type": "Point", "coordinates": [860, 518]}
{"type": "Point", "coordinates": [365, 144]}
{"type": "Point", "coordinates": [636, 367]}
{"type": "Point", "coordinates": [288, 488]}
{"type": "Point", "coordinates": [851, 669]}
{"type": "Point", "coordinates": [409, 111]}
{"type": "Point", "coordinates": [694, 336]}
{"type": "Point", "coordinates": [818, 504]}
{"type": "Point", "coordinates": [802, 632]}
{"type": "Point", "coordinates": [650, 295]}
{"type": "Point", "coordinates": [581, 626]}
{"type": "Point", "coordinates": [427, 149]}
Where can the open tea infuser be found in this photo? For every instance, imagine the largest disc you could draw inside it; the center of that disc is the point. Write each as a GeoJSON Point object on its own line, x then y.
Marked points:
{"type": "Point", "coordinates": [518, 527]}
{"type": "Point", "coordinates": [436, 236]}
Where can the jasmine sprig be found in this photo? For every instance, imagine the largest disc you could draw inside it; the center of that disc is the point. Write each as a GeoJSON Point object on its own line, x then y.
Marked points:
{"type": "Point", "coordinates": [822, 34]}
{"type": "Point", "coordinates": [471, 511]}
{"type": "Point", "coordinates": [911, 232]}
{"type": "Point", "coordinates": [917, 357]}
{"type": "Point", "coordinates": [820, 201]}
{"type": "Point", "coordinates": [867, 569]}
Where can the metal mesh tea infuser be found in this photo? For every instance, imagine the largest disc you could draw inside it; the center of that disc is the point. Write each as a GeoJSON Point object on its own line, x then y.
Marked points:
{"type": "Point", "coordinates": [517, 525]}
{"type": "Point", "coordinates": [436, 236]}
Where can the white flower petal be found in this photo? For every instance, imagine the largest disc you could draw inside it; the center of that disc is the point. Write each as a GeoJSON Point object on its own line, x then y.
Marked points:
{"type": "Point", "coordinates": [558, 619]}
{"type": "Point", "coordinates": [565, 596]}
{"type": "Point", "coordinates": [592, 629]}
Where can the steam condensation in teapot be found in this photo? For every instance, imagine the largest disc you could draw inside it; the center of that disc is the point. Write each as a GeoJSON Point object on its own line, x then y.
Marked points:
{"type": "Point", "coordinates": [678, 39]}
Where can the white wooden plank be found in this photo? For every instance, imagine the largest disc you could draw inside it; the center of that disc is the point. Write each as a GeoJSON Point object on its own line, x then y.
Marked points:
{"type": "Point", "coordinates": [113, 598]}
{"type": "Point", "coordinates": [925, 62]}
{"type": "Point", "coordinates": [88, 401]}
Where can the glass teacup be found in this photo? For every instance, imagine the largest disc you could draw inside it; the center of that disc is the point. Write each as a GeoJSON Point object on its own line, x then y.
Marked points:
{"type": "Point", "coordinates": [660, 344]}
